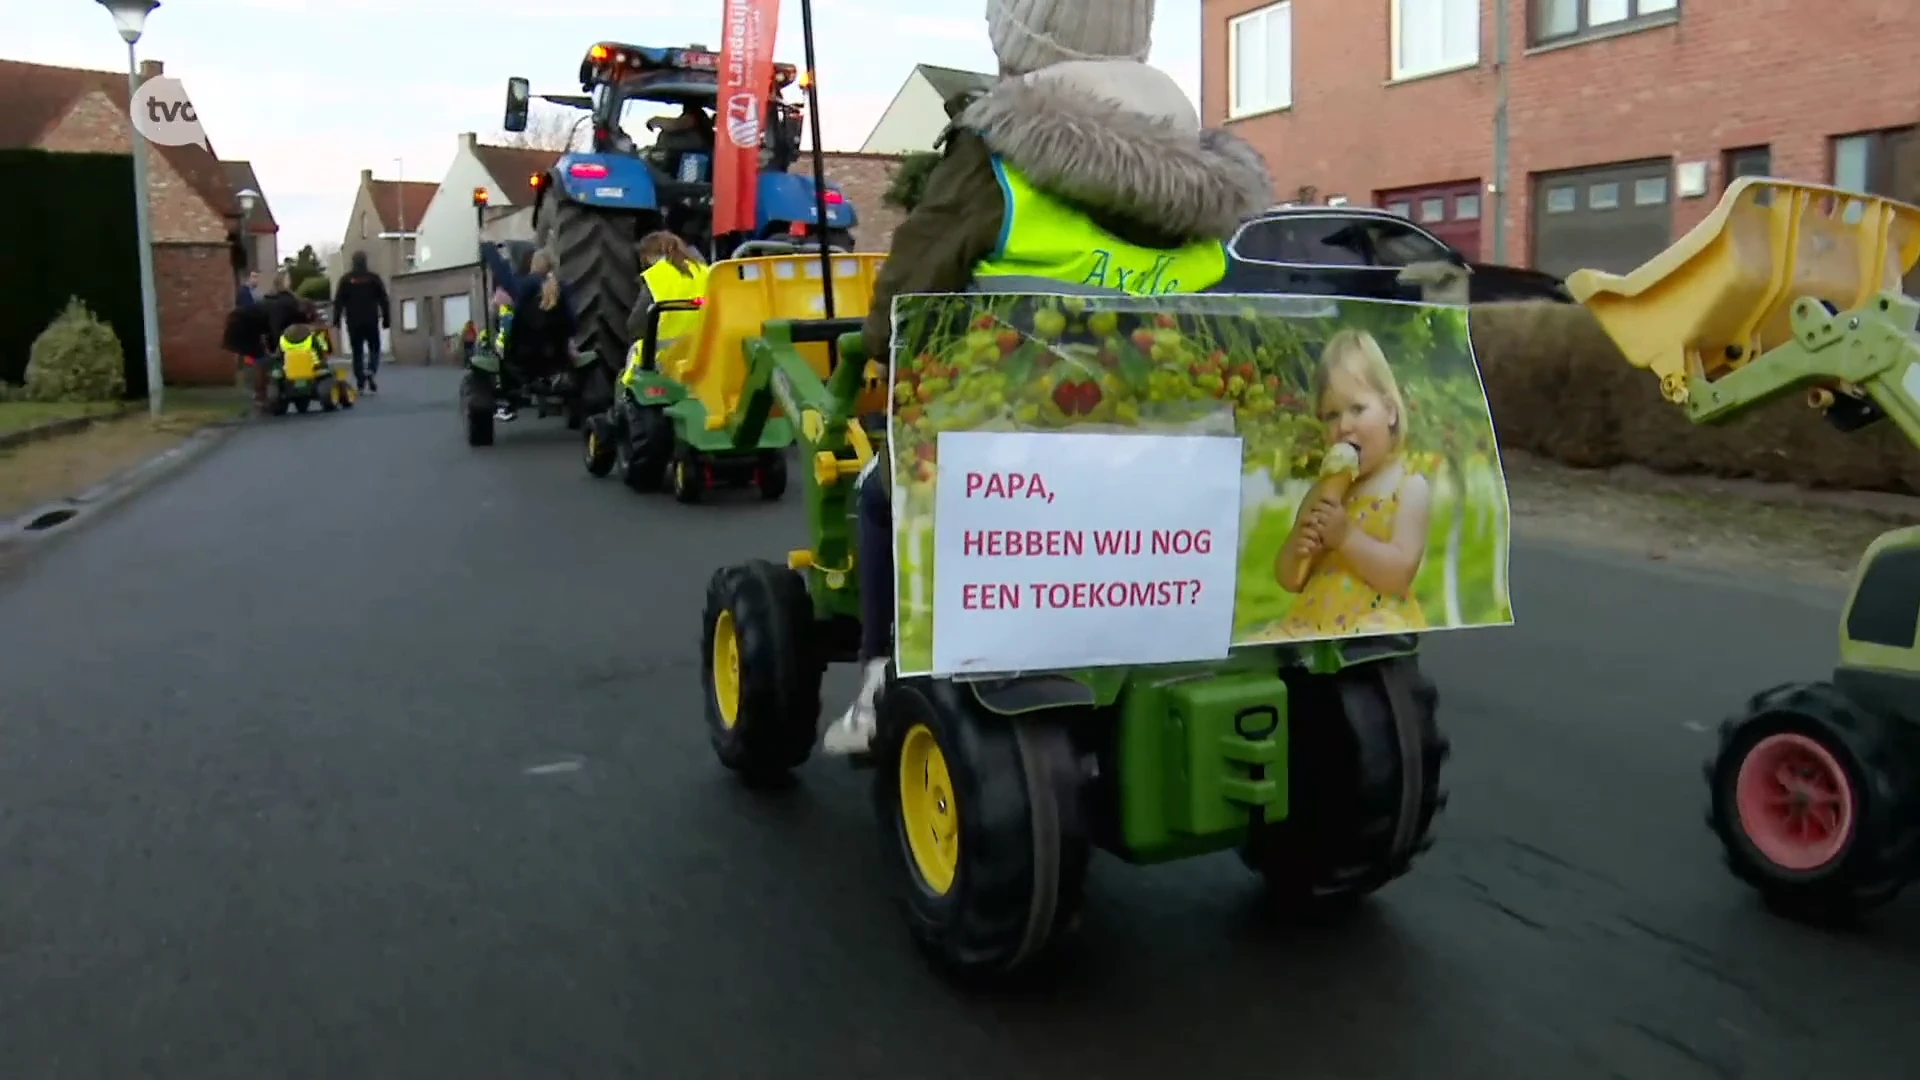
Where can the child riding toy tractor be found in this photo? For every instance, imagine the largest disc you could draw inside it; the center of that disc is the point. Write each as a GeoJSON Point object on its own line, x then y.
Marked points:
{"type": "Point", "coordinates": [301, 377]}
{"type": "Point", "coordinates": [1814, 792]}
{"type": "Point", "coordinates": [1318, 761]}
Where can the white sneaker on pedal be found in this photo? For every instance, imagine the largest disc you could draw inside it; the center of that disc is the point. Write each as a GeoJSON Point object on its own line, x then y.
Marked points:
{"type": "Point", "coordinates": [853, 732]}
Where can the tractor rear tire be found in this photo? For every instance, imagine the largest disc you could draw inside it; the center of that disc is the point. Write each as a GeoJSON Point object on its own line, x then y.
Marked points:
{"type": "Point", "coordinates": [980, 827]}
{"type": "Point", "coordinates": [600, 268]}
{"type": "Point", "coordinates": [1352, 801]}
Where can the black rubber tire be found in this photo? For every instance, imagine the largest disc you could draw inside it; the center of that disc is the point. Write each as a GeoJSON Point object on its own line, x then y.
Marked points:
{"type": "Point", "coordinates": [278, 407]}
{"type": "Point", "coordinates": [599, 446]}
{"type": "Point", "coordinates": [840, 238]}
{"type": "Point", "coordinates": [327, 402]}
{"type": "Point", "coordinates": [1341, 839]}
{"type": "Point", "coordinates": [772, 475]}
{"type": "Point", "coordinates": [600, 268]}
{"type": "Point", "coordinates": [303, 405]}
{"type": "Point", "coordinates": [476, 411]}
{"type": "Point", "coordinates": [1878, 755]}
{"type": "Point", "coordinates": [649, 442]}
{"type": "Point", "coordinates": [780, 670]}
{"type": "Point", "coordinates": [1021, 880]}
{"type": "Point", "coordinates": [689, 474]}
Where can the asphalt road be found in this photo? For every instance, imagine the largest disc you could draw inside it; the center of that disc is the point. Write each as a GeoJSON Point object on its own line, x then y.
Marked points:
{"type": "Point", "coordinates": [353, 753]}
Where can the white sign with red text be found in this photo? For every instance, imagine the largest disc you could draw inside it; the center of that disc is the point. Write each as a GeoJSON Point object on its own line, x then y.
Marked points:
{"type": "Point", "coordinates": [1081, 550]}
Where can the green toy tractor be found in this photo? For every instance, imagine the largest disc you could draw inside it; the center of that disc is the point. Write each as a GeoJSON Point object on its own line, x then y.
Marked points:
{"type": "Point", "coordinates": [1815, 787]}
{"type": "Point", "coordinates": [1318, 763]}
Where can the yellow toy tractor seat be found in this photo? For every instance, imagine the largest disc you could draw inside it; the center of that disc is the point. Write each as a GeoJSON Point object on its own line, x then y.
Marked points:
{"type": "Point", "coordinates": [1724, 293]}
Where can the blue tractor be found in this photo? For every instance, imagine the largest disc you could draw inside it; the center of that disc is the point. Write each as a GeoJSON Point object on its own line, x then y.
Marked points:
{"type": "Point", "coordinates": [594, 205]}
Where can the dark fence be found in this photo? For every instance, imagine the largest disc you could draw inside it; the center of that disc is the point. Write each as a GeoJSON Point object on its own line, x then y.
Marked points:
{"type": "Point", "coordinates": [73, 234]}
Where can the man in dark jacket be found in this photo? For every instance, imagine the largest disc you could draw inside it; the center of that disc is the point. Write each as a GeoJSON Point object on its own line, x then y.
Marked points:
{"type": "Point", "coordinates": [360, 301]}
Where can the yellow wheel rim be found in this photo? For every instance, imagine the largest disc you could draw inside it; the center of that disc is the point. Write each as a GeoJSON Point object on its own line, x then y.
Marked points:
{"type": "Point", "coordinates": [928, 811]}
{"type": "Point", "coordinates": [726, 669]}
{"type": "Point", "coordinates": [593, 446]}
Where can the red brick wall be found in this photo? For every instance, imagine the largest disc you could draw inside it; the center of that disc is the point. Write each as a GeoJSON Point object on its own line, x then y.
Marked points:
{"type": "Point", "coordinates": [195, 284]}
{"type": "Point", "coordinates": [1725, 76]}
{"type": "Point", "coordinates": [863, 178]}
{"type": "Point", "coordinates": [179, 215]}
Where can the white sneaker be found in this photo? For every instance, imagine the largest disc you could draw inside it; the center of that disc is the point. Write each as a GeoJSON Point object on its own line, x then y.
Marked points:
{"type": "Point", "coordinates": [853, 732]}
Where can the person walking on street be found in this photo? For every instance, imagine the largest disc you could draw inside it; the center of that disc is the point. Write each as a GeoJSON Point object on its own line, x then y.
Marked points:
{"type": "Point", "coordinates": [249, 290]}
{"type": "Point", "coordinates": [361, 302]}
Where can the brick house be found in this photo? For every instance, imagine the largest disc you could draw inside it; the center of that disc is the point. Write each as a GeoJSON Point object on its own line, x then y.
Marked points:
{"type": "Point", "coordinates": [1626, 118]}
{"type": "Point", "coordinates": [263, 231]}
{"type": "Point", "coordinates": [192, 209]}
{"type": "Point", "coordinates": [863, 178]}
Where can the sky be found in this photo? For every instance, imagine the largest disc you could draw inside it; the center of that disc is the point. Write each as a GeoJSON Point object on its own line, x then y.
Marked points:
{"type": "Point", "coordinates": [313, 91]}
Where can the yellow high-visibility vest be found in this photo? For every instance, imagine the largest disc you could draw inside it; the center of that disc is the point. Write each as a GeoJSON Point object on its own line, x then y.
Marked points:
{"type": "Point", "coordinates": [1044, 237]}
{"type": "Point", "coordinates": [300, 360]}
{"type": "Point", "coordinates": [666, 282]}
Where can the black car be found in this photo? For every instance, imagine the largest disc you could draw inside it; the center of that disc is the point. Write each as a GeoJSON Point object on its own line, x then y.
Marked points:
{"type": "Point", "coordinates": [1356, 251]}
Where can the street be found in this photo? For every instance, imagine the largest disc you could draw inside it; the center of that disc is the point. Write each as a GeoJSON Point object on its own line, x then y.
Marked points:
{"type": "Point", "coordinates": [353, 752]}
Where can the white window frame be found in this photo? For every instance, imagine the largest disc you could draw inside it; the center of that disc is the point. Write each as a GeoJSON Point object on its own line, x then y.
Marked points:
{"type": "Point", "coordinates": [1237, 109]}
{"type": "Point", "coordinates": [1466, 58]}
{"type": "Point", "coordinates": [409, 315]}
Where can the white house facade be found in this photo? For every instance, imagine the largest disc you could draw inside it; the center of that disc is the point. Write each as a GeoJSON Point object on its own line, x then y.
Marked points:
{"type": "Point", "coordinates": [918, 113]}
{"type": "Point", "coordinates": [449, 233]}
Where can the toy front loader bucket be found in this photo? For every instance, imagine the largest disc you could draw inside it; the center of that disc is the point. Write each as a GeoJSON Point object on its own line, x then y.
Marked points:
{"type": "Point", "coordinates": [1725, 292]}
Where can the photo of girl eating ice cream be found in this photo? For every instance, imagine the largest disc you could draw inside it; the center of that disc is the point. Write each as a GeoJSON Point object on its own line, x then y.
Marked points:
{"type": "Point", "coordinates": [1361, 533]}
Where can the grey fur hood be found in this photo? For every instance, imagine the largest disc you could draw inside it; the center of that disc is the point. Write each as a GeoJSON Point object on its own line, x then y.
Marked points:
{"type": "Point", "coordinates": [1120, 136]}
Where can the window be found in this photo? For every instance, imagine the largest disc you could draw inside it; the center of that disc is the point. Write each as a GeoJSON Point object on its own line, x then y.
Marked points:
{"type": "Point", "coordinates": [1302, 241]}
{"type": "Point", "coordinates": [409, 315]}
{"type": "Point", "coordinates": [1558, 20]}
{"type": "Point", "coordinates": [1395, 244]}
{"type": "Point", "coordinates": [363, 225]}
{"type": "Point", "coordinates": [1650, 191]}
{"type": "Point", "coordinates": [1467, 208]}
{"type": "Point", "coordinates": [1434, 35]}
{"type": "Point", "coordinates": [455, 312]}
{"type": "Point", "coordinates": [1603, 196]}
{"type": "Point", "coordinates": [1865, 162]}
{"type": "Point", "coordinates": [1401, 208]}
{"type": "Point", "coordinates": [1747, 161]}
{"type": "Point", "coordinates": [1260, 61]}
{"type": "Point", "coordinates": [1433, 209]}
{"type": "Point", "coordinates": [1561, 200]}
{"type": "Point", "coordinates": [1336, 200]}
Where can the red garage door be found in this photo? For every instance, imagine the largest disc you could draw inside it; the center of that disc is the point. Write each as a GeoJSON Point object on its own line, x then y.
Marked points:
{"type": "Point", "coordinates": [1449, 211]}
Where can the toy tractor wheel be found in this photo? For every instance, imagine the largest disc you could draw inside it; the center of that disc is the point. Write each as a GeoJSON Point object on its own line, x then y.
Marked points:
{"type": "Point", "coordinates": [689, 474]}
{"type": "Point", "coordinates": [1814, 801]}
{"type": "Point", "coordinates": [762, 672]}
{"type": "Point", "coordinates": [278, 407]}
{"type": "Point", "coordinates": [980, 827]}
{"type": "Point", "coordinates": [330, 399]}
{"type": "Point", "coordinates": [649, 447]}
{"type": "Point", "coordinates": [303, 405]}
{"type": "Point", "coordinates": [601, 448]}
{"type": "Point", "coordinates": [476, 411]}
{"type": "Point", "coordinates": [770, 475]}
{"type": "Point", "coordinates": [1363, 781]}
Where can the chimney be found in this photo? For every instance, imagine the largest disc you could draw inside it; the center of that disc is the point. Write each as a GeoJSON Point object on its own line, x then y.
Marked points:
{"type": "Point", "coordinates": [468, 139]}
{"type": "Point", "coordinates": [366, 177]}
{"type": "Point", "coordinates": [150, 69]}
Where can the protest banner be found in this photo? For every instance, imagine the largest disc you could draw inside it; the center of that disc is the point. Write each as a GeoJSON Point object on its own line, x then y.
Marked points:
{"type": "Point", "coordinates": [1353, 436]}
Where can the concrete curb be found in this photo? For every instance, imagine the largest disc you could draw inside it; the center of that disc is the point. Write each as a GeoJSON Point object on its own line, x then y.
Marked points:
{"type": "Point", "coordinates": [60, 517]}
{"type": "Point", "coordinates": [54, 429]}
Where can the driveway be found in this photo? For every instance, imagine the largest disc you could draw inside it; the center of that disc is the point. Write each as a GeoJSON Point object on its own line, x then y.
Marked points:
{"type": "Point", "coordinates": [353, 752]}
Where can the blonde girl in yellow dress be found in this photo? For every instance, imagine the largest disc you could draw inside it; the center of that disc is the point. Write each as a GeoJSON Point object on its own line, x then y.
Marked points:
{"type": "Point", "coordinates": [1362, 532]}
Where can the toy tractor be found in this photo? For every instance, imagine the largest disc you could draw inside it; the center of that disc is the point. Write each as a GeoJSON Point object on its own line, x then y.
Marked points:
{"type": "Point", "coordinates": [594, 205]}
{"type": "Point", "coordinates": [676, 418]}
{"type": "Point", "coordinates": [577, 388]}
{"type": "Point", "coordinates": [1319, 763]}
{"type": "Point", "coordinates": [1787, 287]}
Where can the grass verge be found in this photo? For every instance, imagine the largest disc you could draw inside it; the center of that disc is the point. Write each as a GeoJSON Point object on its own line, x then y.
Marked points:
{"type": "Point", "coordinates": [44, 471]}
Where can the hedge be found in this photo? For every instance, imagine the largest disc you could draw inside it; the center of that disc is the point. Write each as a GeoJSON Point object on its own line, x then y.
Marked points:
{"type": "Point", "coordinates": [1560, 389]}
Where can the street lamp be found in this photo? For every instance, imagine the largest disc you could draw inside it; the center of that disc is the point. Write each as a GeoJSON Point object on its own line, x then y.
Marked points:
{"type": "Point", "coordinates": [130, 19]}
{"type": "Point", "coordinates": [249, 199]}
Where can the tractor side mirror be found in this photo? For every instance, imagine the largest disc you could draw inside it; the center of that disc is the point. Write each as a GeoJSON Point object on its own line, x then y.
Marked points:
{"type": "Point", "coordinates": [519, 102]}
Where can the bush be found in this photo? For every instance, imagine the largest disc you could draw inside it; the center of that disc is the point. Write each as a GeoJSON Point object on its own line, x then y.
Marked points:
{"type": "Point", "coordinates": [909, 182]}
{"type": "Point", "coordinates": [76, 358]}
{"type": "Point", "coordinates": [1559, 388]}
{"type": "Point", "coordinates": [314, 289]}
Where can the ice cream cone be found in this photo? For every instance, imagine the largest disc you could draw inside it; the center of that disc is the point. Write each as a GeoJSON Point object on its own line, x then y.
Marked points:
{"type": "Point", "coordinates": [1338, 470]}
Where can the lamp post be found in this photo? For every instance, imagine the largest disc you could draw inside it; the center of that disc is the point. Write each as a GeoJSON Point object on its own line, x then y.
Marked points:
{"type": "Point", "coordinates": [130, 18]}
{"type": "Point", "coordinates": [249, 199]}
